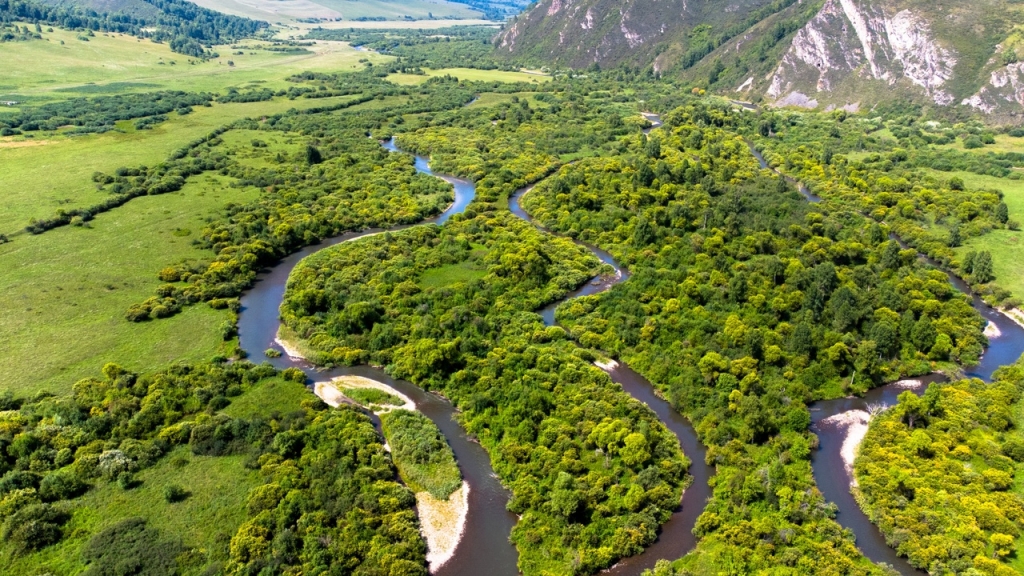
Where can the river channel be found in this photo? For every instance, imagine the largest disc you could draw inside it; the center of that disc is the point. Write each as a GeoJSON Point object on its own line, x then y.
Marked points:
{"type": "Point", "coordinates": [832, 420]}
{"type": "Point", "coordinates": [484, 547]}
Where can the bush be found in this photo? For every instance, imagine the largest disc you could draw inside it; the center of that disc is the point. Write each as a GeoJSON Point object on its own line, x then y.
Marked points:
{"type": "Point", "coordinates": [130, 547]}
{"type": "Point", "coordinates": [61, 485]}
{"type": "Point", "coordinates": [34, 527]}
{"type": "Point", "coordinates": [174, 494]}
{"type": "Point", "coordinates": [973, 142]}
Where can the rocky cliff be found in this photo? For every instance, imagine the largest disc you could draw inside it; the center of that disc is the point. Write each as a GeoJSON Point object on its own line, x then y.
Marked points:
{"type": "Point", "coordinates": [806, 53]}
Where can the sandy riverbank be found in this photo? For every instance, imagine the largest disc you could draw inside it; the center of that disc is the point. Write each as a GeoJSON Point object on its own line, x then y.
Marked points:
{"type": "Point", "coordinates": [442, 523]}
{"type": "Point", "coordinates": [331, 392]}
{"type": "Point", "coordinates": [856, 424]}
{"type": "Point", "coordinates": [1015, 314]}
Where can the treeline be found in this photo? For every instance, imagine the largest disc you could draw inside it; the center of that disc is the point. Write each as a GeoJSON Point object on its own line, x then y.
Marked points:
{"type": "Point", "coordinates": [452, 47]}
{"type": "Point", "coordinates": [184, 25]}
{"type": "Point", "coordinates": [100, 114]}
{"type": "Point", "coordinates": [302, 517]}
{"type": "Point", "coordinates": [937, 475]}
{"type": "Point", "coordinates": [592, 472]}
{"type": "Point", "coordinates": [746, 303]}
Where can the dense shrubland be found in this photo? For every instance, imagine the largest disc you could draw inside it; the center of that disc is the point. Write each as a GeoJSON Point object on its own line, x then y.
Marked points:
{"type": "Point", "coordinates": [936, 474]}
{"type": "Point", "coordinates": [592, 472]}
{"type": "Point", "coordinates": [840, 160]}
{"type": "Point", "coordinates": [304, 516]}
{"type": "Point", "coordinates": [745, 304]}
{"type": "Point", "coordinates": [99, 114]}
{"type": "Point", "coordinates": [421, 453]}
{"type": "Point", "coordinates": [452, 47]}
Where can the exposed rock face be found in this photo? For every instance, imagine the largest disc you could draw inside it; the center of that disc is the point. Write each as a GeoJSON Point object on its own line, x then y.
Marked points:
{"type": "Point", "coordinates": [808, 53]}
{"type": "Point", "coordinates": [859, 38]}
{"type": "Point", "coordinates": [1004, 90]}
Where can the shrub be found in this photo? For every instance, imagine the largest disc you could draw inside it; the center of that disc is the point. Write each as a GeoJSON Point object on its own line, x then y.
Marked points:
{"type": "Point", "coordinates": [174, 494]}
{"type": "Point", "coordinates": [130, 547]}
{"type": "Point", "coordinates": [62, 484]}
{"type": "Point", "coordinates": [34, 527]}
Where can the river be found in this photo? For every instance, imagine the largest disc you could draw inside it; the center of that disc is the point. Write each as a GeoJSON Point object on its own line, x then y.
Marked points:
{"type": "Point", "coordinates": [831, 472]}
{"type": "Point", "coordinates": [485, 547]}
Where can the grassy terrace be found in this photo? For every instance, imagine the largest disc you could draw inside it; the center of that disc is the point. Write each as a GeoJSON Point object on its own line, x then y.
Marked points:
{"type": "Point", "coordinates": [116, 63]}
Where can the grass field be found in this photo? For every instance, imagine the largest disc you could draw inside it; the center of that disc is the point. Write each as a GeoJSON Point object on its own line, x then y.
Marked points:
{"type": "Point", "coordinates": [56, 173]}
{"type": "Point", "coordinates": [446, 275]}
{"type": "Point", "coordinates": [287, 11]}
{"type": "Point", "coordinates": [63, 294]}
{"type": "Point", "coordinates": [205, 520]}
{"type": "Point", "coordinates": [1006, 246]}
{"type": "Point", "coordinates": [270, 395]}
{"type": "Point", "coordinates": [1004, 143]}
{"type": "Point", "coordinates": [131, 64]}
{"type": "Point", "coordinates": [469, 74]}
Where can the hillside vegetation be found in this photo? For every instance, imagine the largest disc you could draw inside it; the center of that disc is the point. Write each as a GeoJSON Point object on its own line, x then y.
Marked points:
{"type": "Point", "coordinates": [936, 474]}
{"type": "Point", "coordinates": [847, 53]}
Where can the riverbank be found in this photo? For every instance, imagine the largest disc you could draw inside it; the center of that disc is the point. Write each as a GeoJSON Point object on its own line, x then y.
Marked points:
{"type": "Point", "coordinates": [332, 392]}
{"type": "Point", "coordinates": [442, 523]}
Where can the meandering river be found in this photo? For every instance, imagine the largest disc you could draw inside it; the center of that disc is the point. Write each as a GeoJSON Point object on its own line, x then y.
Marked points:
{"type": "Point", "coordinates": [831, 472]}
{"type": "Point", "coordinates": [485, 548]}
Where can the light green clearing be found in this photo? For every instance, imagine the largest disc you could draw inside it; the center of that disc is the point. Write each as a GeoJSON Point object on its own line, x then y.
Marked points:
{"type": "Point", "coordinates": [469, 74]}
{"type": "Point", "coordinates": [206, 520]}
{"type": "Point", "coordinates": [63, 294]}
{"type": "Point", "coordinates": [1006, 246]}
{"type": "Point", "coordinates": [275, 394]}
{"type": "Point", "coordinates": [287, 11]}
{"type": "Point", "coordinates": [37, 180]}
{"type": "Point", "coordinates": [467, 271]}
{"type": "Point", "coordinates": [1004, 143]}
{"type": "Point", "coordinates": [113, 58]}
{"type": "Point", "coordinates": [371, 396]}
{"type": "Point", "coordinates": [490, 98]}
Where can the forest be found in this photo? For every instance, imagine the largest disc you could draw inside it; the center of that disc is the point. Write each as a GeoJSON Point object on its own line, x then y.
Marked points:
{"type": "Point", "coordinates": [591, 472]}
{"type": "Point", "coordinates": [185, 26]}
{"type": "Point", "coordinates": [936, 474]}
{"type": "Point", "coordinates": [745, 304]}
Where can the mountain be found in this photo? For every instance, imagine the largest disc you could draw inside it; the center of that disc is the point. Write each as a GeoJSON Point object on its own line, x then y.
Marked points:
{"type": "Point", "coordinates": [811, 53]}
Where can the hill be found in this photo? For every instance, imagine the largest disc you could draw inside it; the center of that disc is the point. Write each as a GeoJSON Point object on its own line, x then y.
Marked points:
{"type": "Point", "coordinates": [827, 52]}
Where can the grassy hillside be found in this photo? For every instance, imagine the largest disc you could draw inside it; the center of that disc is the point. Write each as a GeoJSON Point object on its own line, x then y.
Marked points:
{"type": "Point", "coordinates": [108, 64]}
{"type": "Point", "coordinates": [275, 11]}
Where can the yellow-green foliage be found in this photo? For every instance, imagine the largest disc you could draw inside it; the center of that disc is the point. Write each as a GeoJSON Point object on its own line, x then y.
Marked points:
{"type": "Point", "coordinates": [424, 459]}
{"type": "Point", "coordinates": [935, 473]}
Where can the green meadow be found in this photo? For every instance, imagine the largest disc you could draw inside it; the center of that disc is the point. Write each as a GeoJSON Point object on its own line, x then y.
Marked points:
{"type": "Point", "coordinates": [1006, 246]}
{"type": "Point", "coordinates": [64, 293]}
{"type": "Point", "coordinates": [49, 172]}
{"type": "Point", "coordinates": [113, 63]}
